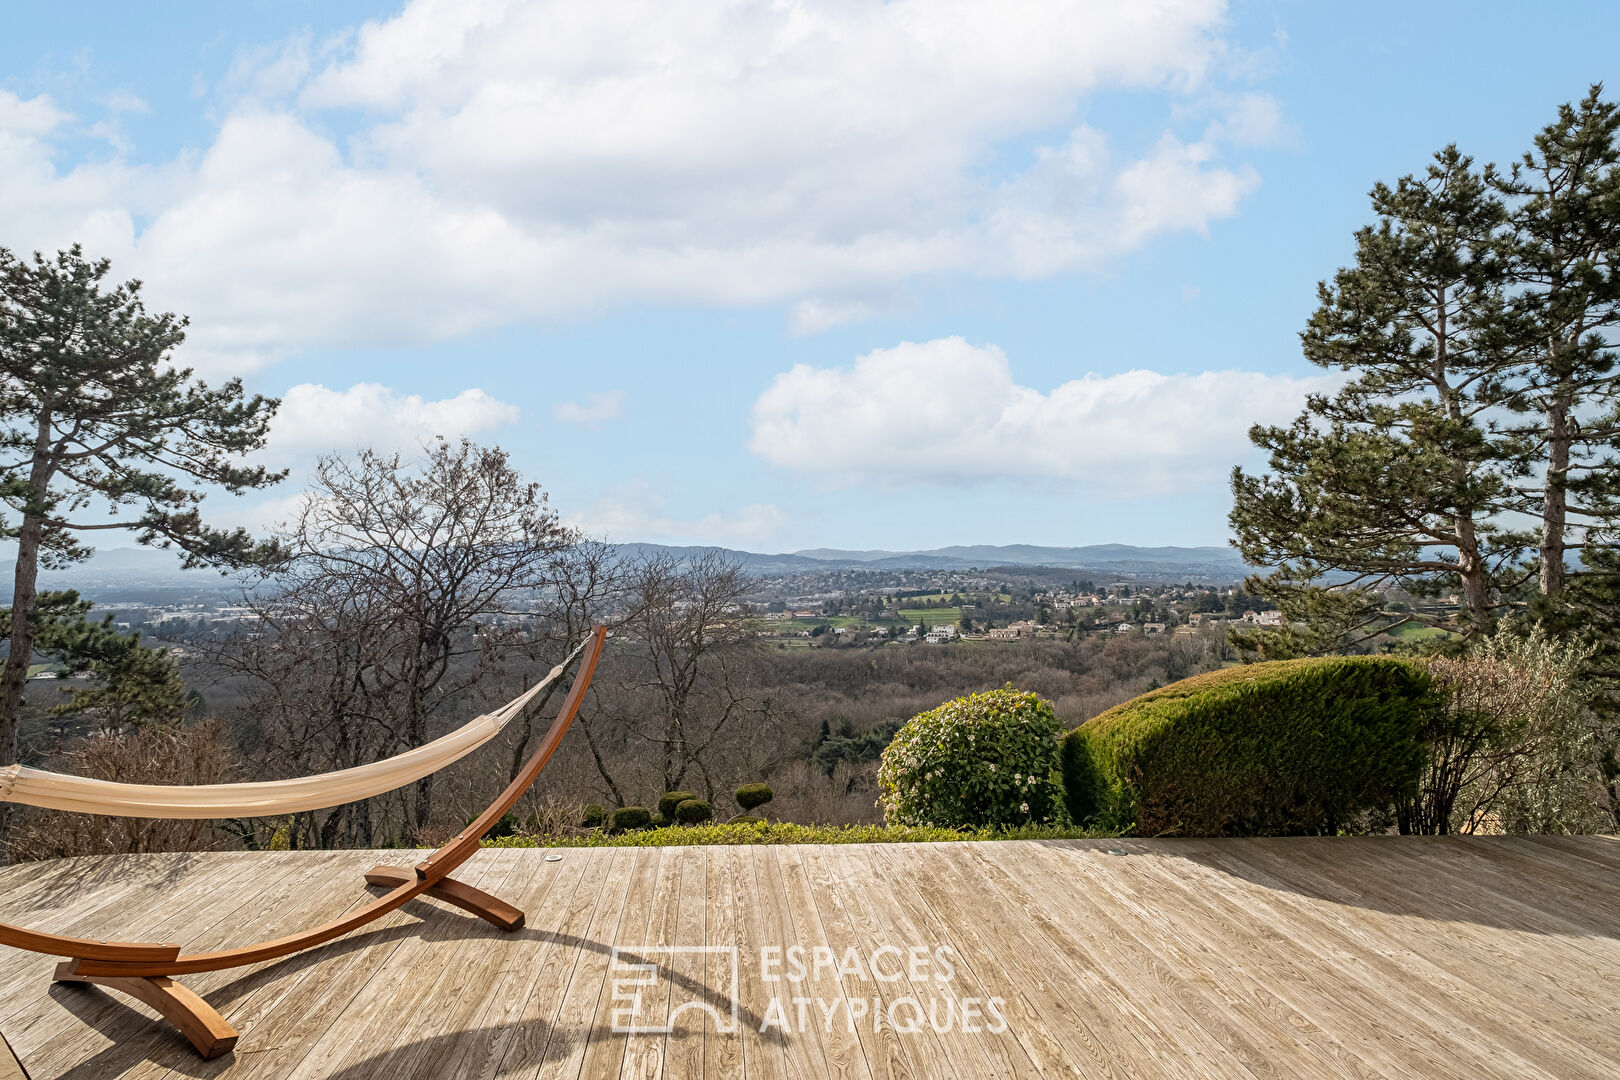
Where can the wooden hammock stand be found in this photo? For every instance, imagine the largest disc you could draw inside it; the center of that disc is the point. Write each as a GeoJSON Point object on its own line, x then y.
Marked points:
{"type": "Point", "coordinates": [144, 970]}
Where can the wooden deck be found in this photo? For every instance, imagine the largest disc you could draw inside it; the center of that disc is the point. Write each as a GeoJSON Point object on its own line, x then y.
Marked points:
{"type": "Point", "coordinates": [1395, 957]}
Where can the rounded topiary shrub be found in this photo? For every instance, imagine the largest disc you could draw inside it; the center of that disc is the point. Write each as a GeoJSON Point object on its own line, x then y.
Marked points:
{"type": "Point", "coordinates": [670, 800]}
{"type": "Point", "coordinates": [986, 759]}
{"type": "Point", "coordinates": [592, 815]}
{"type": "Point", "coordinates": [1281, 748]}
{"type": "Point", "coordinates": [693, 811]}
{"type": "Point", "coordinates": [629, 817]}
{"type": "Point", "coordinates": [750, 796]}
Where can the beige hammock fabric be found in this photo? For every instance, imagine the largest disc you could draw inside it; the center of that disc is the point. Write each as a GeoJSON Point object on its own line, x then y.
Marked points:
{"type": "Point", "coordinates": [55, 791]}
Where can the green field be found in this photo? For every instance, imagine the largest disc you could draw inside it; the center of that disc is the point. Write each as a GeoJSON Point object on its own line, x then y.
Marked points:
{"type": "Point", "coordinates": [970, 597]}
{"type": "Point", "coordinates": [932, 616]}
{"type": "Point", "coordinates": [839, 622]}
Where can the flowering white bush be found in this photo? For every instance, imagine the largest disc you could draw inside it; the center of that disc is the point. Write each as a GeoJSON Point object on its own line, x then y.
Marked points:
{"type": "Point", "coordinates": [986, 759]}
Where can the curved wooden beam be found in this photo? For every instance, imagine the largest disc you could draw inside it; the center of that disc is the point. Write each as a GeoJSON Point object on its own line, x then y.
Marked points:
{"type": "Point", "coordinates": [113, 962]}
{"type": "Point", "coordinates": [465, 844]}
{"type": "Point", "coordinates": [264, 950]}
{"type": "Point", "coordinates": [492, 909]}
{"type": "Point", "coordinates": [197, 1020]}
{"type": "Point", "coordinates": [56, 945]}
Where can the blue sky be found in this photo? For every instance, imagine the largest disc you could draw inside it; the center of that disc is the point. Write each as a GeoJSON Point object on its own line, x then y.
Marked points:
{"type": "Point", "coordinates": [774, 277]}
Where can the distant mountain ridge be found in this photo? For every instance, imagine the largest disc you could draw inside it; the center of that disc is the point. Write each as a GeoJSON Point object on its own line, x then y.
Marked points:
{"type": "Point", "coordinates": [1123, 558]}
{"type": "Point", "coordinates": [114, 567]}
{"type": "Point", "coordinates": [1035, 555]}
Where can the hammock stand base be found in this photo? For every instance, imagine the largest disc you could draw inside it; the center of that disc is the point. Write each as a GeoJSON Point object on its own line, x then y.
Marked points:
{"type": "Point", "coordinates": [197, 1020]}
{"type": "Point", "coordinates": [145, 970]}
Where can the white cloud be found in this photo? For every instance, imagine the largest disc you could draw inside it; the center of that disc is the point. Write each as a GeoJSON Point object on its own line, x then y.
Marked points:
{"type": "Point", "coordinates": [31, 117]}
{"type": "Point", "coordinates": [638, 512]}
{"type": "Point", "coordinates": [261, 516]}
{"type": "Point", "coordinates": [1247, 119]}
{"type": "Point", "coordinates": [125, 101]}
{"type": "Point", "coordinates": [814, 314]}
{"type": "Point", "coordinates": [314, 419]}
{"type": "Point", "coordinates": [595, 409]}
{"type": "Point", "coordinates": [531, 161]}
{"type": "Point", "coordinates": [946, 411]}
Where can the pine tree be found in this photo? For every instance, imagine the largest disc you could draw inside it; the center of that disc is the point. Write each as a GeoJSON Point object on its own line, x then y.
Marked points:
{"type": "Point", "coordinates": [99, 432]}
{"type": "Point", "coordinates": [1565, 198]}
{"type": "Point", "coordinates": [1394, 480]}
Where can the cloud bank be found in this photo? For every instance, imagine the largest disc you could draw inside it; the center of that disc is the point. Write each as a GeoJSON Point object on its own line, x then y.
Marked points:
{"type": "Point", "coordinates": [315, 419]}
{"type": "Point", "coordinates": [530, 161]}
{"type": "Point", "coordinates": [947, 412]}
{"type": "Point", "coordinates": [640, 512]}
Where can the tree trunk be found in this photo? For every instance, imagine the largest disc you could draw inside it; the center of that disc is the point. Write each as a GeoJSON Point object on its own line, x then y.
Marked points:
{"type": "Point", "coordinates": [422, 805]}
{"type": "Point", "coordinates": [24, 598]}
{"type": "Point", "coordinates": [671, 736]}
{"type": "Point", "coordinates": [422, 791]}
{"type": "Point", "coordinates": [601, 766]}
{"type": "Point", "coordinates": [24, 603]}
{"type": "Point", "coordinates": [1471, 568]}
{"type": "Point", "coordinates": [1553, 507]}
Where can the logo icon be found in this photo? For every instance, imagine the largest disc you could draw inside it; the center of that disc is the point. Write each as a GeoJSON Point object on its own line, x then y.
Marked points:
{"type": "Point", "coordinates": [644, 979]}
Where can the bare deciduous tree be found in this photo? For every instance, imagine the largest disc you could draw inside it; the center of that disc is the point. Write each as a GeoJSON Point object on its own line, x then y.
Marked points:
{"type": "Point", "coordinates": [694, 644]}
{"type": "Point", "coordinates": [407, 582]}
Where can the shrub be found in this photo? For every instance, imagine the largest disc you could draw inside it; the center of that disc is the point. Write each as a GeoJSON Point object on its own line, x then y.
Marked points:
{"type": "Point", "coordinates": [750, 796]}
{"type": "Point", "coordinates": [1285, 747]}
{"type": "Point", "coordinates": [593, 815]}
{"type": "Point", "coordinates": [1511, 745]}
{"type": "Point", "coordinates": [629, 817]}
{"type": "Point", "coordinates": [693, 811]}
{"type": "Point", "coordinates": [986, 759]}
{"type": "Point", "coordinates": [672, 799]}
{"type": "Point", "coordinates": [781, 832]}
{"type": "Point", "coordinates": [150, 754]}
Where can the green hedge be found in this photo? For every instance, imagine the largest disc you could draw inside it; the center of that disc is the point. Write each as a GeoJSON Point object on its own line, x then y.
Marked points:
{"type": "Point", "coordinates": [778, 832]}
{"type": "Point", "coordinates": [1282, 748]}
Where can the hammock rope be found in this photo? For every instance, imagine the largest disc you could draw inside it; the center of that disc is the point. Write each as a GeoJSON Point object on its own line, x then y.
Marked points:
{"type": "Point", "coordinates": [268, 798]}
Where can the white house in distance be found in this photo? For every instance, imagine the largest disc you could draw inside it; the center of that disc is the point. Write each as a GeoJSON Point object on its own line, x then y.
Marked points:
{"type": "Point", "coordinates": [939, 635]}
{"type": "Point", "coordinates": [1271, 618]}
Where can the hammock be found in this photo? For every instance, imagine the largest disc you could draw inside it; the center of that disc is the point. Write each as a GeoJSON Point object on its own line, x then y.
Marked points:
{"type": "Point", "coordinates": [144, 970]}
{"type": "Point", "coordinates": [81, 795]}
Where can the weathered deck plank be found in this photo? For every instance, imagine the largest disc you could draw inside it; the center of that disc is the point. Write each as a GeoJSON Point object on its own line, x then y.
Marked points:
{"type": "Point", "coordinates": [1348, 958]}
